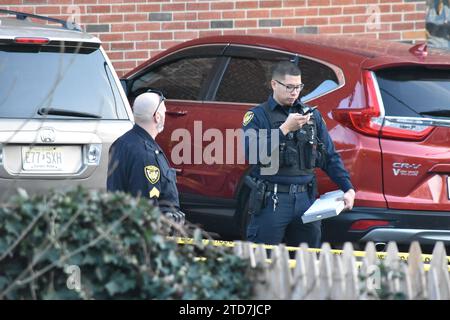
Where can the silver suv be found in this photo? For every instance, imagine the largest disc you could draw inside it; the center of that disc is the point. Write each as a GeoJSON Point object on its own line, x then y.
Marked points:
{"type": "Point", "coordinates": [61, 106]}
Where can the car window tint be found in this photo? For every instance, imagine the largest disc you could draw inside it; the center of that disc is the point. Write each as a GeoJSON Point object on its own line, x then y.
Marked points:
{"type": "Point", "coordinates": [247, 80]}
{"type": "Point", "coordinates": [410, 92]}
{"type": "Point", "coordinates": [69, 81]}
{"type": "Point", "coordinates": [317, 77]}
{"type": "Point", "coordinates": [182, 79]}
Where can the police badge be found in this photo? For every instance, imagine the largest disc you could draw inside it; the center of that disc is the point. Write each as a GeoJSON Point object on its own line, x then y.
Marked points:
{"type": "Point", "coordinates": [152, 173]}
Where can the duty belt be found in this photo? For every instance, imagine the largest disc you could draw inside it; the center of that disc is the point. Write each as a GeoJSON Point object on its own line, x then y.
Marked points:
{"type": "Point", "coordinates": [294, 188]}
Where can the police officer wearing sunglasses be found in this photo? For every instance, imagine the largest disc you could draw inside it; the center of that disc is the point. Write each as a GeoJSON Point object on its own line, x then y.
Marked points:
{"type": "Point", "coordinates": [277, 201]}
{"type": "Point", "coordinates": [138, 165]}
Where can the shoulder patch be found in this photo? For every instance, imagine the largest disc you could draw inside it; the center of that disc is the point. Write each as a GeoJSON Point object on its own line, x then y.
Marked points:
{"type": "Point", "coordinates": [248, 117]}
{"type": "Point", "coordinates": [152, 174]}
{"type": "Point", "coordinates": [154, 193]}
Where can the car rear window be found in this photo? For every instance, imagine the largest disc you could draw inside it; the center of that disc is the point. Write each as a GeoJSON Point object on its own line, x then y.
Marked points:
{"type": "Point", "coordinates": [75, 82]}
{"type": "Point", "coordinates": [412, 92]}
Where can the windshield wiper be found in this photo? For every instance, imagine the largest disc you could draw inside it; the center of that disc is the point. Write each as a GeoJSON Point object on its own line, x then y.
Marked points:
{"type": "Point", "coordinates": [436, 113]}
{"type": "Point", "coordinates": [62, 112]}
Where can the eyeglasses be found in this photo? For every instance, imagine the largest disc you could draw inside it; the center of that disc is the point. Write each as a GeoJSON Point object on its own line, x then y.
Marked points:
{"type": "Point", "coordinates": [161, 98]}
{"type": "Point", "coordinates": [291, 89]}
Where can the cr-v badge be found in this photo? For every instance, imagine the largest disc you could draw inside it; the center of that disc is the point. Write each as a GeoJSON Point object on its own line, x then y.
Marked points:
{"type": "Point", "coordinates": [405, 169]}
{"type": "Point", "coordinates": [47, 135]}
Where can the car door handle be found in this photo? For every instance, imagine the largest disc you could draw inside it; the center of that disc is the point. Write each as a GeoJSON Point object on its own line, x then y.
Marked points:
{"type": "Point", "coordinates": [178, 113]}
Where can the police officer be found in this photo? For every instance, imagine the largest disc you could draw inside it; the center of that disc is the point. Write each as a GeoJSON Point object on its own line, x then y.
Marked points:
{"type": "Point", "coordinates": [137, 164]}
{"type": "Point", "coordinates": [304, 143]}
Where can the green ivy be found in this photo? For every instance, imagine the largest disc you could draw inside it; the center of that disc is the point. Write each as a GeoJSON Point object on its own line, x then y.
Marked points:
{"type": "Point", "coordinates": [118, 243]}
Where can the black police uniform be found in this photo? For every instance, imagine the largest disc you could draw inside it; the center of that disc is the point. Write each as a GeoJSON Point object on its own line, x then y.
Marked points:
{"type": "Point", "coordinates": [137, 165]}
{"type": "Point", "coordinates": [292, 190]}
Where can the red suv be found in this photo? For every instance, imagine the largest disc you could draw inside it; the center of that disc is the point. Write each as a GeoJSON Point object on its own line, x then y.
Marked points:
{"type": "Point", "coordinates": [386, 106]}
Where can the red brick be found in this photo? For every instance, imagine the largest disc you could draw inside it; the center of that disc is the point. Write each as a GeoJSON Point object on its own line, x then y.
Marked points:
{"type": "Point", "coordinates": [169, 44]}
{"type": "Point", "coordinates": [354, 9]}
{"type": "Point", "coordinates": [340, 2]}
{"type": "Point", "coordinates": [419, 25]}
{"type": "Point", "coordinates": [98, 9]}
{"type": "Point", "coordinates": [173, 26]}
{"type": "Point", "coordinates": [197, 25]}
{"type": "Point", "coordinates": [403, 26]}
{"type": "Point", "coordinates": [122, 27]}
{"type": "Point", "coordinates": [293, 22]}
{"type": "Point", "coordinates": [211, 15]}
{"type": "Point", "coordinates": [147, 8]}
{"type": "Point", "coordinates": [414, 16]}
{"type": "Point", "coordinates": [403, 7]}
{"type": "Point", "coordinates": [385, 8]}
{"type": "Point", "coordinates": [147, 45]}
{"type": "Point", "coordinates": [186, 35]}
{"type": "Point", "coordinates": [413, 35]}
{"type": "Point", "coordinates": [390, 35]}
{"type": "Point", "coordinates": [316, 21]}
{"type": "Point", "coordinates": [122, 46]}
{"type": "Point", "coordinates": [281, 13]}
{"type": "Point", "coordinates": [135, 36]}
{"type": "Point", "coordinates": [315, 3]}
{"type": "Point", "coordinates": [184, 16]}
{"type": "Point", "coordinates": [306, 12]}
{"type": "Point", "coordinates": [161, 35]}
{"type": "Point", "coordinates": [233, 14]}
{"type": "Point", "coordinates": [45, 10]}
{"type": "Point", "coordinates": [124, 8]}
{"type": "Point", "coordinates": [245, 23]}
{"type": "Point", "coordinates": [362, 19]}
{"type": "Point", "coordinates": [222, 6]}
{"type": "Point", "coordinates": [115, 55]}
{"type": "Point", "coordinates": [330, 29]}
{"type": "Point", "coordinates": [136, 17]}
{"type": "Point", "coordinates": [136, 55]}
{"type": "Point", "coordinates": [124, 65]}
{"type": "Point", "coordinates": [258, 31]}
{"type": "Point", "coordinates": [258, 14]}
{"type": "Point", "coordinates": [210, 33]}
{"type": "Point", "coordinates": [330, 11]}
{"type": "Point", "coordinates": [192, 6]}
{"type": "Point", "coordinates": [174, 7]}
{"type": "Point", "coordinates": [270, 4]}
{"type": "Point", "coordinates": [283, 31]}
{"type": "Point", "coordinates": [232, 32]}
{"type": "Point", "coordinates": [110, 18]}
{"type": "Point", "coordinates": [148, 26]}
{"type": "Point", "coordinates": [391, 17]}
{"type": "Point", "coordinates": [341, 20]}
{"type": "Point", "coordinates": [109, 37]}
{"type": "Point", "coordinates": [88, 19]}
{"type": "Point", "coordinates": [246, 4]}
{"type": "Point", "coordinates": [294, 3]}
{"type": "Point", "coordinates": [353, 29]}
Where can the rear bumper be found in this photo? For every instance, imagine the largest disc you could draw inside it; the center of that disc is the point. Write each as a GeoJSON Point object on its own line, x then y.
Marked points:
{"type": "Point", "coordinates": [404, 226]}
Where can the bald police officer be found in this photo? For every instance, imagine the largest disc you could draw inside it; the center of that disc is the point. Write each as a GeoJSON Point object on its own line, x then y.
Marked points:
{"type": "Point", "coordinates": [137, 164]}
{"type": "Point", "coordinates": [304, 144]}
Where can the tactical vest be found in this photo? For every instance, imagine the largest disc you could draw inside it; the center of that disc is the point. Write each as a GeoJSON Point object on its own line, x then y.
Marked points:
{"type": "Point", "coordinates": [298, 153]}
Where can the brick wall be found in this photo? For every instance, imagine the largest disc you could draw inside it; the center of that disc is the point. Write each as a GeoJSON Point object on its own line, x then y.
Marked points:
{"type": "Point", "coordinates": [135, 30]}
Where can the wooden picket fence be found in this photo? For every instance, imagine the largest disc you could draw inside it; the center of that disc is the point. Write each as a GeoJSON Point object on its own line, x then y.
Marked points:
{"type": "Point", "coordinates": [324, 275]}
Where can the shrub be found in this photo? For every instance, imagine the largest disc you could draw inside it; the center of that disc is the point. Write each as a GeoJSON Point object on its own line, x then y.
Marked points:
{"type": "Point", "coordinates": [115, 243]}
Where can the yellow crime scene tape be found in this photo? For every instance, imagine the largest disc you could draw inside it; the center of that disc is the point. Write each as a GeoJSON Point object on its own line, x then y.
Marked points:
{"type": "Point", "coordinates": [426, 258]}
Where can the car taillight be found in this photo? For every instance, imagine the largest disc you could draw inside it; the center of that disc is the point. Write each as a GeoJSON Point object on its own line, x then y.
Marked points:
{"type": "Point", "coordinates": [361, 225]}
{"type": "Point", "coordinates": [31, 40]}
{"type": "Point", "coordinates": [371, 120]}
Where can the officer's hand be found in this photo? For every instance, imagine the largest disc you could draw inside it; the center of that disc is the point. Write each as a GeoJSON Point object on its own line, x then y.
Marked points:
{"type": "Point", "coordinates": [349, 199]}
{"type": "Point", "coordinates": [294, 122]}
{"type": "Point", "coordinates": [177, 216]}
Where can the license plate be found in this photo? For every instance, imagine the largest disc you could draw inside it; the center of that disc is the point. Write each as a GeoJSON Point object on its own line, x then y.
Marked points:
{"type": "Point", "coordinates": [43, 158]}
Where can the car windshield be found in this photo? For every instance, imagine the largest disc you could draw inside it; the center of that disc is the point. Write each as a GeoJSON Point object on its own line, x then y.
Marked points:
{"type": "Point", "coordinates": [412, 92]}
{"type": "Point", "coordinates": [73, 82]}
